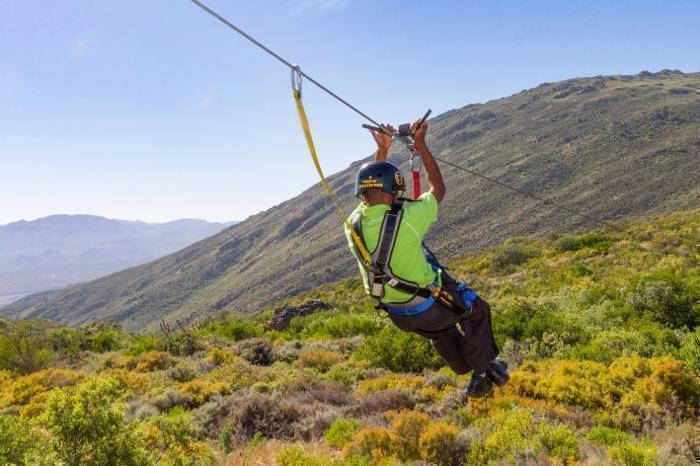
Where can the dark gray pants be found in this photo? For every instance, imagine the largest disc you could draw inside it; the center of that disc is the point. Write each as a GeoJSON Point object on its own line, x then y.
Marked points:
{"type": "Point", "coordinates": [464, 342]}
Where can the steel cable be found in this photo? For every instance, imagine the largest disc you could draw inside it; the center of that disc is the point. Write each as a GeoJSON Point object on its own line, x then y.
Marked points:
{"type": "Point", "coordinates": [374, 122]}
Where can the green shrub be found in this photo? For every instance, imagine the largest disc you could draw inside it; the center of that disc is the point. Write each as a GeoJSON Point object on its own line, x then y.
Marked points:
{"type": "Point", "coordinates": [610, 345]}
{"type": "Point", "coordinates": [524, 320]}
{"type": "Point", "coordinates": [690, 350]}
{"type": "Point", "coordinates": [106, 340]}
{"type": "Point", "coordinates": [608, 436]}
{"type": "Point", "coordinates": [183, 343]}
{"type": "Point", "coordinates": [511, 321]}
{"type": "Point", "coordinates": [86, 429]}
{"type": "Point", "coordinates": [665, 298]}
{"type": "Point", "coordinates": [546, 319]}
{"type": "Point", "coordinates": [24, 347]}
{"type": "Point", "coordinates": [18, 442]}
{"type": "Point", "coordinates": [341, 431]}
{"type": "Point", "coordinates": [513, 432]}
{"type": "Point", "coordinates": [597, 241]}
{"type": "Point", "coordinates": [512, 254]}
{"type": "Point", "coordinates": [579, 269]}
{"type": "Point", "coordinates": [69, 341]}
{"type": "Point", "coordinates": [633, 455]}
{"type": "Point", "coordinates": [295, 455]}
{"type": "Point", "coordinates": [559, 441]}
{"type": "Point", "coordinates": [226, 436]}
{"type": "Point", "coordinates": [144, 343]}
{"type": "Point", "coordinates": [399, 351]}
{"type": "Point", "coordinates": [347, 373]}
{"type": "Point", "coordinates": [172, 439]}
{"type": "Point", "coordinates": [236, 330]}
{"type": "Point", "coordinates": [333, 325]}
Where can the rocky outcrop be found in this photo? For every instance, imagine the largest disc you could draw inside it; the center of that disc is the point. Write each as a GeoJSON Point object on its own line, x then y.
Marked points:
{"type": "Point", "coordinates": [284, 314]}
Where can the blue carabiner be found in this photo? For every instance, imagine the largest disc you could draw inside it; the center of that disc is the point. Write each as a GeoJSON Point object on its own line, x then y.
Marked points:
{"type": "Point", "coordinates": [468, 295]}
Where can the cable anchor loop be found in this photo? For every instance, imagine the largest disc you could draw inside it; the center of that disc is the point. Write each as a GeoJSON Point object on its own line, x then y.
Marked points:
{"type": "Point", "coordinates": [296, 78]}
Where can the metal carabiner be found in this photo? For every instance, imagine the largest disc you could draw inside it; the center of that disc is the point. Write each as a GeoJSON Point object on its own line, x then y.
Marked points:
{"type": "Point", "coordinates": [296, 78]}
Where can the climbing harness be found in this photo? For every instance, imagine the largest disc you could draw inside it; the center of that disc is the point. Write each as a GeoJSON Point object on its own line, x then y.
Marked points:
{"type": "Point", "coordinates": [379, 272]}
{"type": "Point", "coordinates": [305, 126]}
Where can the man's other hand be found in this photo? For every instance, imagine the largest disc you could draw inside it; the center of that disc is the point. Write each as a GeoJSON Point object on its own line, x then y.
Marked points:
{"type": "Point", "coordinates": [383, 139]}
{"type": "Point", "coordinates": [418, 130]}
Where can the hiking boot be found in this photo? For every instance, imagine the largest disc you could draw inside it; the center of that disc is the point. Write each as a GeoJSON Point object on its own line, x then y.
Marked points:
{"type": "Point", "coordinates": [480, 386]}
{"type": "Point", "coordinates": [498, 372]}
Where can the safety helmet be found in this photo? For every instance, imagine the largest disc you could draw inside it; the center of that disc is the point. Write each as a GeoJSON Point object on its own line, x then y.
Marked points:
{"type": "Point", "coordinates": [383, 175]}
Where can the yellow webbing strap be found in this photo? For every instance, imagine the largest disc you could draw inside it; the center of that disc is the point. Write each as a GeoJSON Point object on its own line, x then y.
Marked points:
{"type": "Point", "coordinates": [312, 149]}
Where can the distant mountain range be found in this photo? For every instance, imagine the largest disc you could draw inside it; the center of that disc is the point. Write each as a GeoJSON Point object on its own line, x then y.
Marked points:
{"type": "Point", "coordinates": [60, 250]}
{"type": "Point", "coordinates": [610, 146]}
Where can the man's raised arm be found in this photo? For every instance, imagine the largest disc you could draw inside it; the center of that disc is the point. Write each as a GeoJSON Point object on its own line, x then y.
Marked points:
{"type": "Point", "coordinates": [383, 140]}
{"type": "Point", "coordinates": [437, 186]}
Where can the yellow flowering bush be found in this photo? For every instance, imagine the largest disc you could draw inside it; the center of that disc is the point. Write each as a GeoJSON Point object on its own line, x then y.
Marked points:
{"type": "Point", "coordinates": [320, 359]}
{"type": "Point", "coordinates": [153, 361]}
{"type": "Point", "coordinates": [22, 389]}
{"type": "Point", "coordinates": [374, 442]}
{"type": "Point", "coordinates": [411, 436]}
{"type": "Point", "coordinates": [127, 379]}
{"type": "Point", "coordinates": [200, 391]}
{"type": "Point", "coordinates": [413, 383]}
{"type": "Point", "coordinates": [439, 444]}
{"type": "Point", "coordinates": [219, 356]}
{"type": "Point", "coordinates": [390, 381]}
{"type": "Point", "coordinates": [5, 376]}
{"type": "Point", "coordinates": [237, 374]}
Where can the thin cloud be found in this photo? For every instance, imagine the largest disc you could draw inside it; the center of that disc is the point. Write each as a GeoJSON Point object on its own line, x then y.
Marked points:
{"type": "Point", "coordinates": [79, 48]}
{"type": "Point", "coordinates": [319, 6]}
{"type": "Point", "coordinates": [202, 105]}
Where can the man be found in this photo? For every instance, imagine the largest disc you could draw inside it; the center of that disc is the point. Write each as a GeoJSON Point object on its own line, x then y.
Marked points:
{"type": "Point", "coordinates": [411, 287]}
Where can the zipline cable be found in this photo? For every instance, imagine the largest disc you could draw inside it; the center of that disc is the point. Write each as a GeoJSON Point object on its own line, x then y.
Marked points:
{"type": "Point", "coordinates": [525, 193]}
{"type": "Point", "coordinates": [282, 60]}
{"type": "Point", "coordinates": [296, 69]}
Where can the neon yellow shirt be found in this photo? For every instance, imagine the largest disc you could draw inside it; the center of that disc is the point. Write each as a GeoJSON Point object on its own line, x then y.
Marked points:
{"type": "Point", "coordinates": [407, 261]}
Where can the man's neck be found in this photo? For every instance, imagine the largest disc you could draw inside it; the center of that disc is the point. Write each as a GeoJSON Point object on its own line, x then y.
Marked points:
{"type": "Point", "coordinates": [372, 204]}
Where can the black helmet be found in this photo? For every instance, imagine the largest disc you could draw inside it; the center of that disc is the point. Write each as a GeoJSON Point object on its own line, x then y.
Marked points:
{"type": "Point", "coordinates": [383, 175]}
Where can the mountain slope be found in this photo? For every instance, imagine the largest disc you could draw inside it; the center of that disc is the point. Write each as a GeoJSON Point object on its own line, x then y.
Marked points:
{"type": "Point", "coordinates": [58, 250]}
{"type": "Point", "coordinates": [612, 147]}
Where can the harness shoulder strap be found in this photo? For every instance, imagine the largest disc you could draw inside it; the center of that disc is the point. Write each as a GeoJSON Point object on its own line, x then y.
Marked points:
{"type": "Point", "coordinates": [387, 237]}
{"type": "Point", "coordinates": [356, 225]}
{"type": "Point", "coordinates": [379, 272]}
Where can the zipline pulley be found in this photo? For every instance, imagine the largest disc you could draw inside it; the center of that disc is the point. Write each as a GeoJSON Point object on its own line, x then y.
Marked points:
{"type": "Point", "coordinates": [404, 135]}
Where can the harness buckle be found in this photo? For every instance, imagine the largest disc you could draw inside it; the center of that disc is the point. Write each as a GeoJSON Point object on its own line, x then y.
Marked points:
{"type": "Point", "coordinates": [377, 290]}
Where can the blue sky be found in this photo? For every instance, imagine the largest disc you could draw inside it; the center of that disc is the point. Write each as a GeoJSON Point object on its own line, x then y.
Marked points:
{"type": "Point", "coordinates": [152, 110]}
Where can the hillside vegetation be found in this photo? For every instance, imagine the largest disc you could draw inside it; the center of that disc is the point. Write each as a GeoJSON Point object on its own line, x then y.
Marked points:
{"type": "Point", "coordinates": [601, 328]}
{"type": "Point", "coordinates": [612, 146]}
